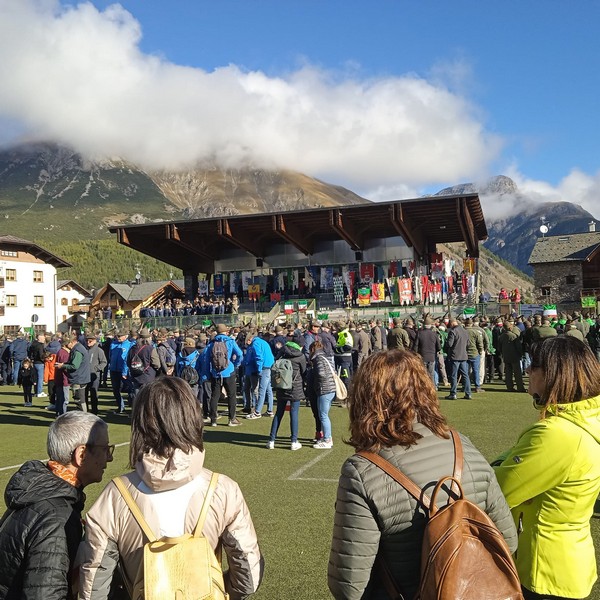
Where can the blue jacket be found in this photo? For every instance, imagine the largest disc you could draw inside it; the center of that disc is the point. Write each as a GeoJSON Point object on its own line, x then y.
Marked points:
{"type": "Point", "coordinates": [186, 360]}
{"type": "Point", "coordinates": [118, 356]}
{"type": "Point", "coordinates": [234, 354]}
{"type": "Point", "coordinates": [258, 356]}
{"type": "Point", "coordinates": [18, 349]}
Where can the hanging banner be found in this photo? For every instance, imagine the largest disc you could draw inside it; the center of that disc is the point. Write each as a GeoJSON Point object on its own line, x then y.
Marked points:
{"type": "Point", "coordinates": [338, 289]}
{"type": "Point", "coordinates": [550, 310]}
{"type": "Point", "coordinates": [310, 278]}
{"type": "Point", "coordinates": [393, 270]}
{"type": "Point", "coordinates": [246, 280]}
{"type": "Point", "coordinates": [233, 283]}
{"type": "Point", "coordinates": [326, 278]}
{"type": "Point", "coordinates": [588, 302]}
{"type": "Point", "coordinates": [364, 296]}
{"type": "Point", "coordinates": [295, 279]}
{"type": "Point", "coordinates": [392, 285]}
{"type": "Point", "coordinates": [288, 308]}
{"type": "Point", "coordinates": [254, 291]}
{"type": "Point", "coordinates": [377, 292]}
{"type": "Point", "coordinates": [302, 305]}
{"type": "Point", "coordinates": [367, 273]}
{"type": "Point", "coordinates": [219, 284]}
{"type": "Point", "coordinates": [203, 287]}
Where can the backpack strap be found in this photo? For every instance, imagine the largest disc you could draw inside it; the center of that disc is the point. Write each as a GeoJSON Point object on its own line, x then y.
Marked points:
{"type": "Point", "coordinates": [134, 508]}
{"type": "Point", "coordinates": [408, 484]}
{"type": "Point", "coordinates": [206, 504]}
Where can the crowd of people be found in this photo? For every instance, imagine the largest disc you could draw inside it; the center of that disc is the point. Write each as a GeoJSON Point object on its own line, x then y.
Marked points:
{"type": "Point", "coordinates": [540, 494]}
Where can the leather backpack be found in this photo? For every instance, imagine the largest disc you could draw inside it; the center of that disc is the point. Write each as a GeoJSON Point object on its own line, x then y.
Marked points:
{"type": "Point", "coordinates": [464, 556]}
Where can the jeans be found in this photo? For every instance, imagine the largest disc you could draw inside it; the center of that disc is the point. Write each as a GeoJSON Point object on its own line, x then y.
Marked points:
{"type": "Point", "coordinates": [15, 372]}
{"type": "Point", "coordinates": [62, 399]}
{"type": "Point", "coordinates": [249, 392]}
{"type": "Point", "coordinates": [474, 362]}
{"type": "Point", "coordinates": [525, 362]}
{"type": "Point", "coordinates": [461, 366]}
{"type": "Point", "coordinates": [323, 405]}
{"type": "Point", "coordinates": [39, 384]}
{"type": "Point", "coordinates": [294, 412]}
{"type": "Point", "coordinates": [264, 389]}
{"type": "Point", "coordinates": [430, 368]}
{"type": "Point", "coordinates": [117, 383]}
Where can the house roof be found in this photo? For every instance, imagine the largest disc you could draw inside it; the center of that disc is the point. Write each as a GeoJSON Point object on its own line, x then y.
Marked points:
{"type": "Point", "coordinates": [138, 292]}
{"type": "Point", "coordinates": [575, 247]}
{"type": "Point", "coordinates": [11, 242]}
{"type": "Point", "coordinates": [62, 282]}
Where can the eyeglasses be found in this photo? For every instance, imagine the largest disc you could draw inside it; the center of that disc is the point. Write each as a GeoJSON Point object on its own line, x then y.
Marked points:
{"type": "Point", "coordinates": [109, 449]}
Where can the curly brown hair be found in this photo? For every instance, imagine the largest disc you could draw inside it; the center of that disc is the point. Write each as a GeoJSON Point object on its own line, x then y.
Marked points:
{"type": "Point", "coordinates": [389, 392]}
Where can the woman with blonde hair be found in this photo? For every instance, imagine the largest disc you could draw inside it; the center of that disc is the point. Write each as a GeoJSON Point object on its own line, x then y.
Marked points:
{"type": "Point", "coordinates": [378, 527]}
{"type": "Point", "coordinates": [551, 477]}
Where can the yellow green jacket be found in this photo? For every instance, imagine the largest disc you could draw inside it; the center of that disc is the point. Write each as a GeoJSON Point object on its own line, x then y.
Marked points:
{"type": "Point", "coordinates": [551, 479]}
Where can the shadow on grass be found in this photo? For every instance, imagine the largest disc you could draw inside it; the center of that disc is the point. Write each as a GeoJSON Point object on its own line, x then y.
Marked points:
{"type": "Point", "coordinates": [27, 417]}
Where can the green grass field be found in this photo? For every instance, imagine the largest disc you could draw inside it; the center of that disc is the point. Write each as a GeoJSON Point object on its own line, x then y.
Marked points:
{"type": "Point", "coordinates": [291, 494]}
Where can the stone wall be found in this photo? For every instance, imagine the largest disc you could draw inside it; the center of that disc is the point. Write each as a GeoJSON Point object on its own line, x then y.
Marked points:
{"type": "Point", "coordinates": [554, 276]}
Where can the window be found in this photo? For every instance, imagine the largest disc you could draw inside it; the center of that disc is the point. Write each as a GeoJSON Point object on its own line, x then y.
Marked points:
{"type": "Point", "coordinates": [11, 300]}
{"type": "Point", "coordinates": [64, 302]}
{"type": "Point", "coordinates": [74, 302]}
{"type": "Point", "coordinates": [38, 276]}
{"type": "Point", "coordinates": [38, 301]}
{"type": "Point", "coordinates": [546, 291]}
{"type": "Point", "coordinates": [11, 329]}
{"type": "Point", "coordinates": [570, 279]}
{"type": "Point", "coordinates": [12, 253]}
{"type": "Point", "coordinates": [11, 274]}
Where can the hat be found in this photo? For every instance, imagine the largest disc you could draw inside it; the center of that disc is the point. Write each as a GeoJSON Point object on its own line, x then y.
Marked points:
{"type": "Point", "coordinates": [90, 335]}
{"type": "Point", "coordinates": [189, 342]}
{"type": "Point", "coordinates": [144, 333]}
{"type": "Point", "coordinates": [120, 332]}
{"type": "Point", "coordinates": [222, 328]}
{"type": "Point", "coordinates": [428, 321]}
{"type": "Point", "coordinates": [299, 340]}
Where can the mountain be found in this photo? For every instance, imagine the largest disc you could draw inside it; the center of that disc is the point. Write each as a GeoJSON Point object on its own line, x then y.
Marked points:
{"type": "Point", "coordinates": [50, 192]}
{"type": "Point", "coordinates": [513, 218]}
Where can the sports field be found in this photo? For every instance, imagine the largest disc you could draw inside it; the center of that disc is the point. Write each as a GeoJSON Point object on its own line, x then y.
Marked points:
{"type": "Point", "coordinates": [291, 494]}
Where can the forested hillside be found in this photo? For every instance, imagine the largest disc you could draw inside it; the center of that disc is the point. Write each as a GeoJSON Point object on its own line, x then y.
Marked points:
{"type": "Point", "coordinates": [96, 262]}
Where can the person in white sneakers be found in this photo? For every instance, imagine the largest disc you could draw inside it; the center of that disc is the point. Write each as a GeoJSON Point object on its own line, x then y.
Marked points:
{"type": "Point", "coordinates": [292, 351]}
{"type": "Point", "coordinates": [323, 385]}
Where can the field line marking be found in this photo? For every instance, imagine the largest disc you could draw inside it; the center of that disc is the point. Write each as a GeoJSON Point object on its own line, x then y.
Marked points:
{"type": "Point", "coordinates": [297, 474]}
{"type": "Point", "coordinates": [46, 460]}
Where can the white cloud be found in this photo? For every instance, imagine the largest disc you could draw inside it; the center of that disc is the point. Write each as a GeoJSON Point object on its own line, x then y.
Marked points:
{"type": "Point", "coordinates": [76, 75]}
{"type": "Point", "coordinates": [577, 187]}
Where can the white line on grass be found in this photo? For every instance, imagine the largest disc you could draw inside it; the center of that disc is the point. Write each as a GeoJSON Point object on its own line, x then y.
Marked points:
{"type": "Point", "coordinates": [296, 476]}
{"type": "Point", "coordinates": [12, 467]}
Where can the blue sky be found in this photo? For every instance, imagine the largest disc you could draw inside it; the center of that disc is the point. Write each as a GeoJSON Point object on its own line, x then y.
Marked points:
{"type": "Point", "coordinates": [409, 96]}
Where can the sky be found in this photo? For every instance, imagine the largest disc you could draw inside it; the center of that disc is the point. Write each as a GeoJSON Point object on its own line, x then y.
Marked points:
{"type": "Point", "coordinates": [390, 98]}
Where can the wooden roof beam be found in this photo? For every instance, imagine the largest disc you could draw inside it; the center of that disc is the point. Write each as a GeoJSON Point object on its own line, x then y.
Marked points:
{"type": "Point", "coordinates": [409, 232]}
{"type": "Point", "coordinates": [164, 250]}
{"type": "Point", "coordinates": [239, 238]}
{"type": "Point", "coordinates": [346, 229]}
{"type": "Point", "coordinates": [292, 234]}
{"type": "Point", "coordinates": [180, 238]}
{"type": "Point", "coordinates": [466, 226]}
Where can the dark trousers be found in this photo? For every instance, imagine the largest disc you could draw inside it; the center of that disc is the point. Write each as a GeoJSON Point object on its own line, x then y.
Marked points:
{"type": "Point", "coordinates": [118, 383]}
{"type": "Point", "coordinates": [91, 392]}
{"type": "Point", "coordinates": [229, 383]}
{"type": "Point", "coordinates": [204, 395]}
{"type": "Point", "coordinates": [3, 373]}
{"type": "Point", "coordinates": [28, 393]}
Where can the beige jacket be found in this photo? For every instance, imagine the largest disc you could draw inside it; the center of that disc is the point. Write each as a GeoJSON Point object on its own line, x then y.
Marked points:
{"type": "Point", "coordinates": [112, 532]}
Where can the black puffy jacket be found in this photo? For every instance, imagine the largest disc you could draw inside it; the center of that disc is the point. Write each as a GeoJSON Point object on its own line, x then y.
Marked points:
{"type": "Point", "coordinates": [39, 539]}
{"type": "Point", "coordinates": [298, 360]}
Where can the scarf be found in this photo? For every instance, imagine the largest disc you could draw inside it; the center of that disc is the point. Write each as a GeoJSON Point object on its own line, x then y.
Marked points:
{"type": "Point", "coordinates": [63, 473]}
